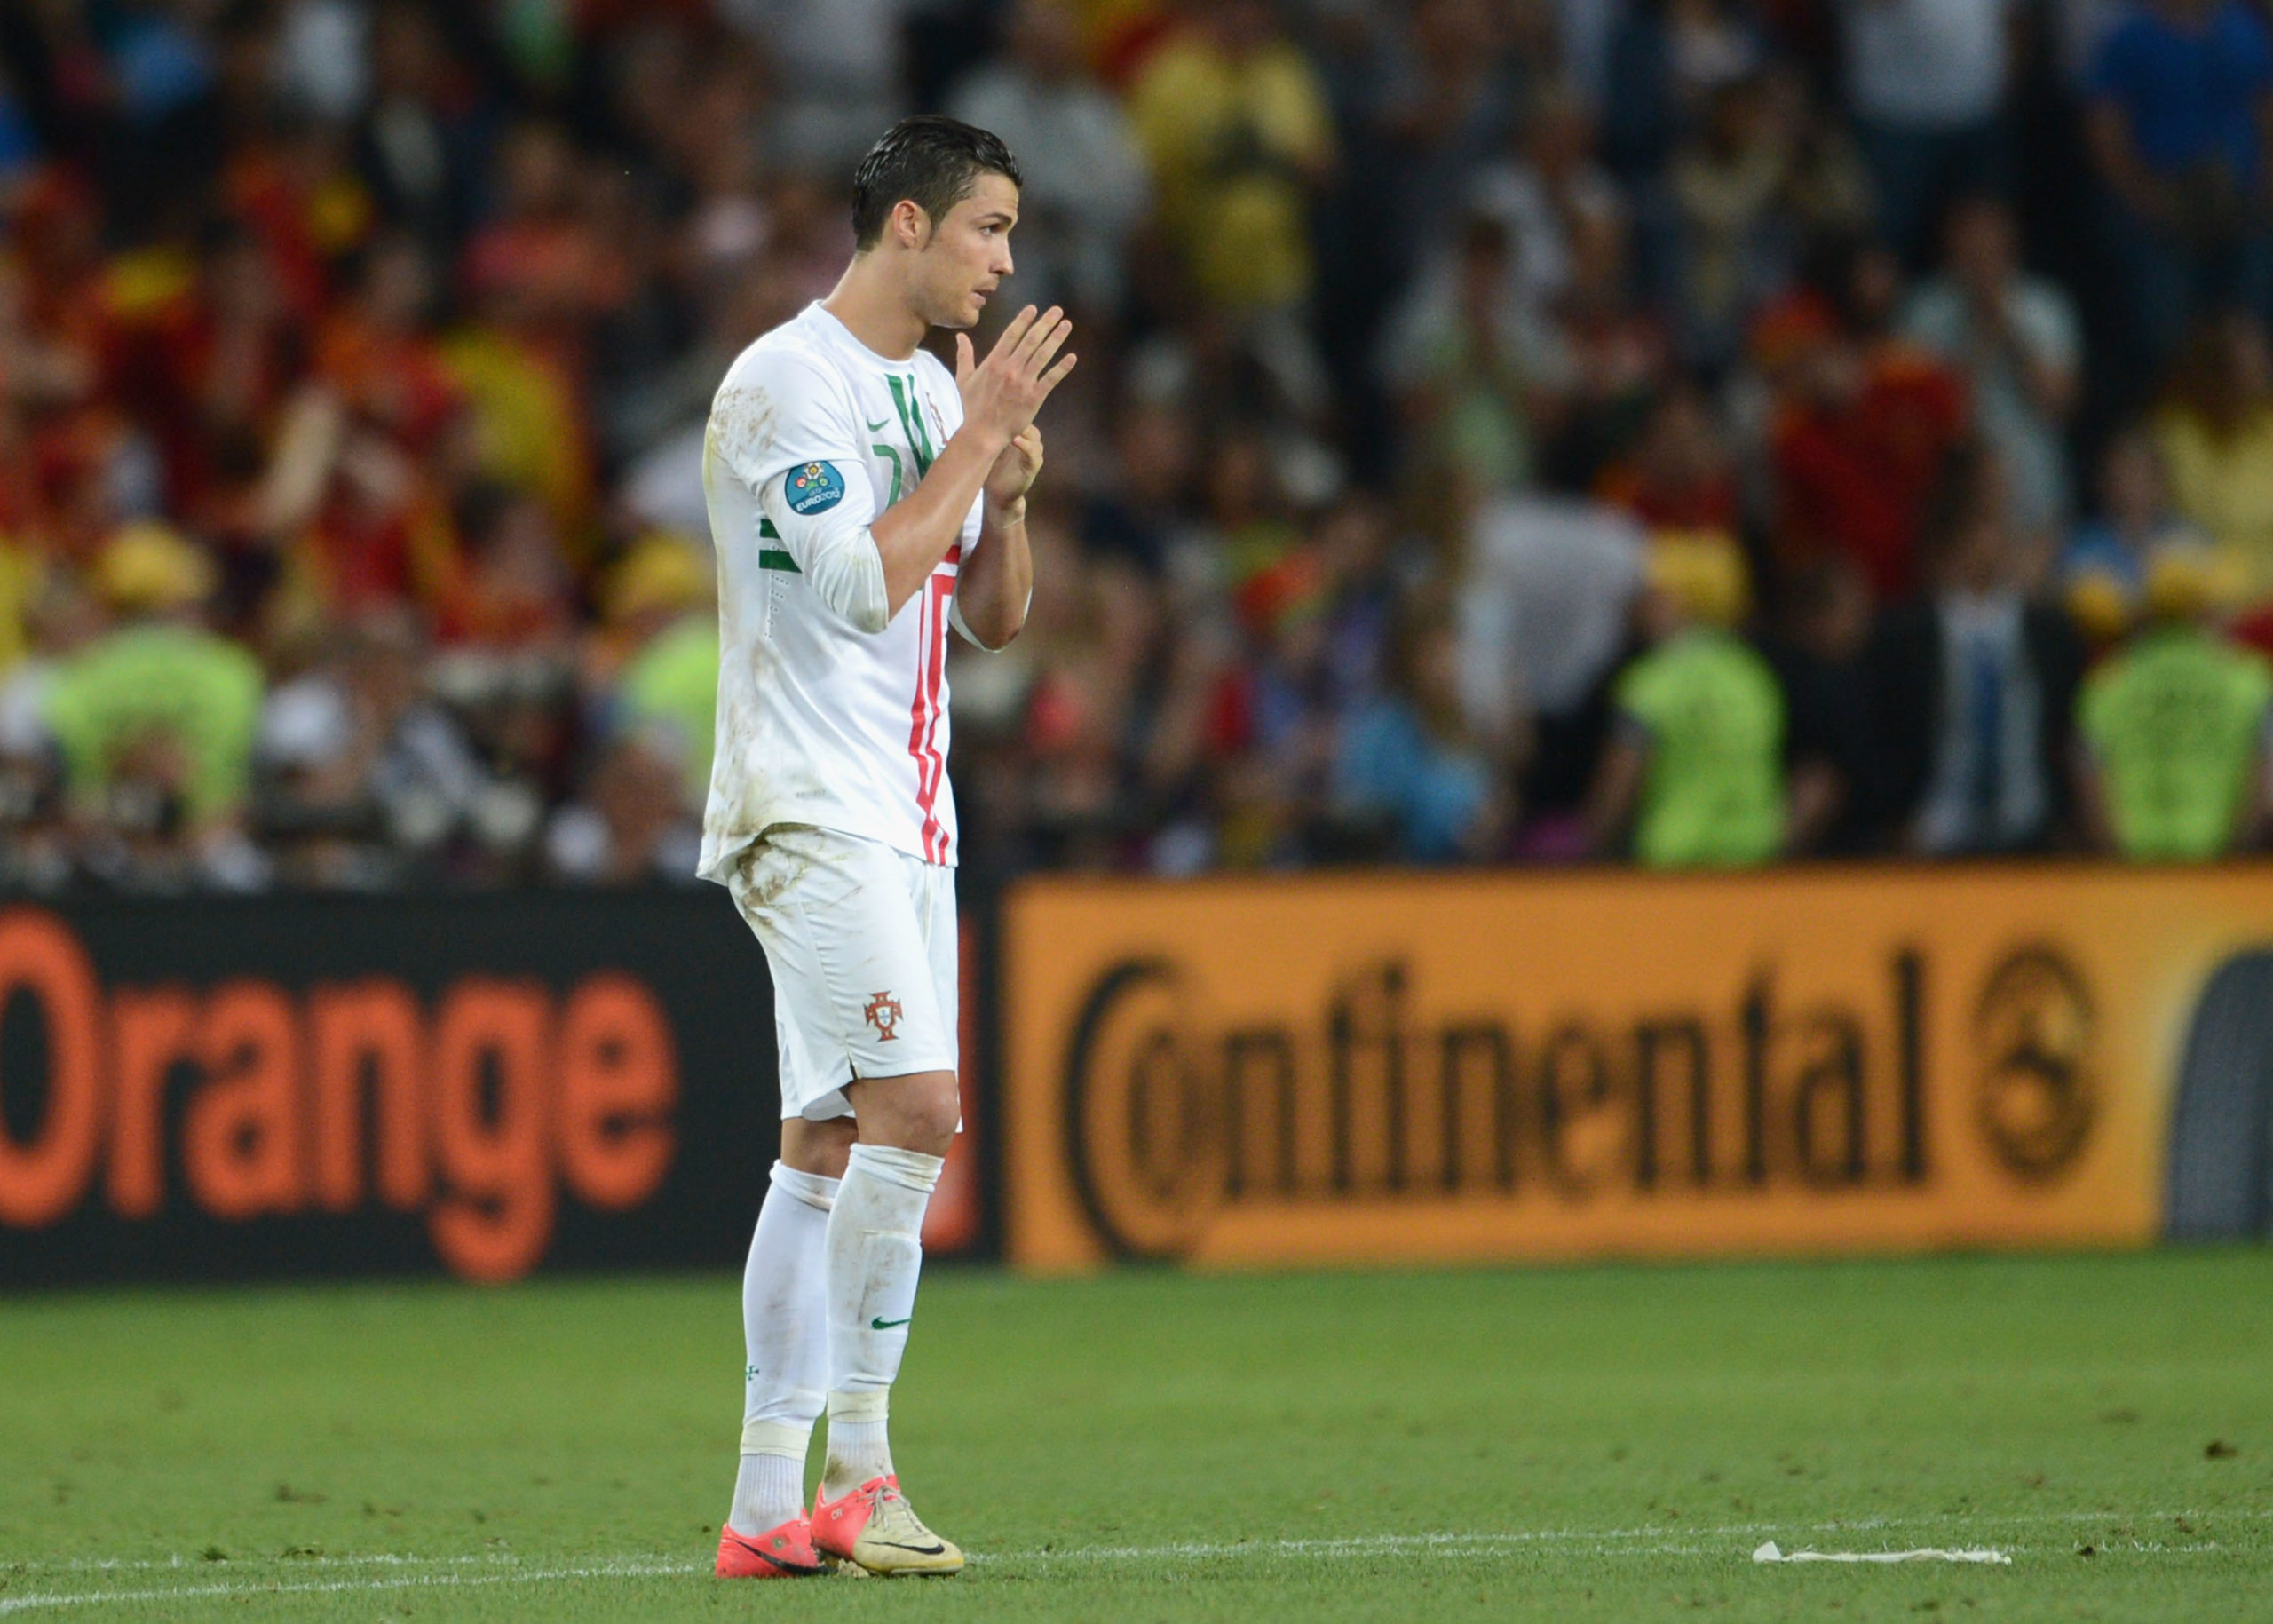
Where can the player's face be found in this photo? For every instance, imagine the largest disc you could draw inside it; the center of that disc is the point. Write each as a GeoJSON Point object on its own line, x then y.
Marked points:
{"type": "Point", "coordinates": [968, 254]}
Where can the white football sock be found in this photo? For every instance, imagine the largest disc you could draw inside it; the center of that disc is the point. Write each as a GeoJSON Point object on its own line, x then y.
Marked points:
{"type": "Point", "coordinates": [785, 1329]}
{"type": "Point", "coordinates": [876, 1252]}
{"type": "Point", "coordinates": [769, 1490]}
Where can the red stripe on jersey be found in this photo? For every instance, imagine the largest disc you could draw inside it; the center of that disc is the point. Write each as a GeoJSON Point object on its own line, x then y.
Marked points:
{"type": "Point", "coordinates": [943, 582]}
{"type": "Point", "coordinates": [915, 716]}
{"type": "Point", "coordinates": [930, 766]}
{"type": "Point", "coordinates": [925, 712]}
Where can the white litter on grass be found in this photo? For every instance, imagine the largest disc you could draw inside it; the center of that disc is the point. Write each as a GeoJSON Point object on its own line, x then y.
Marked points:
{"type": "Point", "coordinates": [1769, 1552]}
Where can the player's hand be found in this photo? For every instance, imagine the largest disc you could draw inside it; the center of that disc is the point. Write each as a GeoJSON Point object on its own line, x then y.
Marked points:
{"type": "Point", "coordinates": [1015, 470]}
{"type": "Point", "coordinates": [1001, 394]}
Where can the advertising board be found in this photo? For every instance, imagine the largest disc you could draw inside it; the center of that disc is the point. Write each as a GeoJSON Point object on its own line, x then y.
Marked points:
{"type": "Point", "coordinates": [224, 1089]}
{"type": "Point", "coordinates": [1384, 1069]}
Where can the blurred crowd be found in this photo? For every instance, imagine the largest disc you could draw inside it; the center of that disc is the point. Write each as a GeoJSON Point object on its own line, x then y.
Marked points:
{"type": "Point", "coordinates": [1687, 432]}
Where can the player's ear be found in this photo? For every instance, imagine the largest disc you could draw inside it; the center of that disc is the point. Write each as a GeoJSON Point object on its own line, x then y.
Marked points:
{"type": "Point", "coordinates": [909, 220]}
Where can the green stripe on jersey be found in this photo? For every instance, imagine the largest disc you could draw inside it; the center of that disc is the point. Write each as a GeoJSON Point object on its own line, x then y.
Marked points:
{"type": "Point", "coordinates": [910, 404]}
{"type": "Point", "coordinates": [775, 558]}
{"type": "Point", "coordinates": [766, 530]}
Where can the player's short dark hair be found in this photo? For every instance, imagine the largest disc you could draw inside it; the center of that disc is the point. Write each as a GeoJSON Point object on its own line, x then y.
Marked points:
{"type": "Point", "coordinates": [930, 160]}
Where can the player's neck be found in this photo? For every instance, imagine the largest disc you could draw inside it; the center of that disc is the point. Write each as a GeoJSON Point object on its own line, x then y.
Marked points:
{"type": "Point", "coordinates": [866, 299]}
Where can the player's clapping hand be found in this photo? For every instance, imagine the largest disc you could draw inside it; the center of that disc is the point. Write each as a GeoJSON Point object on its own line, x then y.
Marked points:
{"type": "Point", "coordinates": [1015, 470]}
{"type": "Point", "coordinates": [1001, 394]}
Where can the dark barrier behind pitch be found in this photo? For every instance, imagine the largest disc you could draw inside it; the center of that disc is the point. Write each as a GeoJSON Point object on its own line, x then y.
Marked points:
{"type": "Point", "coordinates": [594, 1086]}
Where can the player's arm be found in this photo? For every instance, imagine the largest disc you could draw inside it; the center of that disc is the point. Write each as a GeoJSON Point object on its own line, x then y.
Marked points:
{"type": "Point", "coordinates": [996, 583]}
{"type": "Point", "coordinates": [1000, 398]}
{"type": "Point", "coordinates": [790, 431]}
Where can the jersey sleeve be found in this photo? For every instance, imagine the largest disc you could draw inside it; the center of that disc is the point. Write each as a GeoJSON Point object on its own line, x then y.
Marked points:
{"type": "Point", "coordinates": [787, 430]}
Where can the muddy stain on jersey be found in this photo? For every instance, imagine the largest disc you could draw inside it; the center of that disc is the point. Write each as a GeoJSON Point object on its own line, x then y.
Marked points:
{"type": "Point", "coordinates": [744, 424]}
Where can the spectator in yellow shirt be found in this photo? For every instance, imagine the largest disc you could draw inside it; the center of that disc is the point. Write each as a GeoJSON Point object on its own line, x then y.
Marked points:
{"type": "Point", "coordinates": [1235, 122]}
{"type": "Point", "coordinates": [2216, 437]}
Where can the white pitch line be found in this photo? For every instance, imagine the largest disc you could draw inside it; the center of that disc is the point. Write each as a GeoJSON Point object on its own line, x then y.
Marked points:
{"type": "Point", "coordinates": [1604, 1537]}
{"type": "Point", "coordinates": [1630, 1542]}
{"type": "Point", "coordinates": [648, 1569]}
{"type": "Point", "coordinates": [1857, 1525]}
{"type": "Point", "coordinates": [1606, 1542]}
{"type": "Point", "coordinates": [119, 1565]}
{"type": "Point", "coordinates": [334, 1587]}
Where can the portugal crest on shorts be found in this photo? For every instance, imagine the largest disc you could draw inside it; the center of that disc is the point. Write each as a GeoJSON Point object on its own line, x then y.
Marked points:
{"type": "Point", "coordinates": [882, 1013]}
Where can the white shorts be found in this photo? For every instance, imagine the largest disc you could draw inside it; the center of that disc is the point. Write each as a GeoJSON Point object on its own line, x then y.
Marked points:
{"type": "Point", "coordinates": [861, 941]}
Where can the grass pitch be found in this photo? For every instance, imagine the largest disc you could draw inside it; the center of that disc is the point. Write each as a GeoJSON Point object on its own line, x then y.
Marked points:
{"type": "Point", "coordinates": [1602, 1443]}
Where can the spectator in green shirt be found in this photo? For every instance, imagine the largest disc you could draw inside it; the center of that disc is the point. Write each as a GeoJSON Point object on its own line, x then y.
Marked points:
{"type": "Point", "coordinates": [2171, 760]}
{"type": "Point", "coordinates": [659, 597]}
{"type": "Point", "coordinates": [1693, 775]}
{"type": "Point", "coordinates": [155, 718]}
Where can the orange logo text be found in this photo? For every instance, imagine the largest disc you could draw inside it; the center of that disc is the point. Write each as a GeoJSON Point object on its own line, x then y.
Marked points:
{"type": "Point", "coordinates": [259, 1099]}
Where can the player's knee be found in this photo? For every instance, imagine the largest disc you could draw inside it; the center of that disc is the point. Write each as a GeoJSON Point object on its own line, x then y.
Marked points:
{"type": "Point", "coordinates": [933, 1110]}
{"type": "Point", "coordinates": [912, 1113]}
{"type": "Point", "coordinates": [819, 1148]}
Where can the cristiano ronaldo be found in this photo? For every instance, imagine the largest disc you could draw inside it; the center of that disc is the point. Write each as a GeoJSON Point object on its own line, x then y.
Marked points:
{"type": "Point", "coordinates": [862, 499]}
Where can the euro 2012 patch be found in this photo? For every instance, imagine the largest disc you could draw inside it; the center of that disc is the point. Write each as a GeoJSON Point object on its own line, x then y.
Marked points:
{"type": "Point", "coordinates": [814, 488]}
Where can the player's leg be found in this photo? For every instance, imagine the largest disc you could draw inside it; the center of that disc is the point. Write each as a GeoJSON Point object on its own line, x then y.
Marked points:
{"type": "Point", "coordinates": [876, 1257]}
{"type": "Point", "coordinates": [785, 1303]}
{"type": "Point", "coordinates": [785, 1325]}
{"type": "Point", "coordinates": [907, 1121]}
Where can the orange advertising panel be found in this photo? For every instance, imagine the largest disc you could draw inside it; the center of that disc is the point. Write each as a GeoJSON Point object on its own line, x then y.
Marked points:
{"type": "Point", "coordinates": [1377, 1069]}
{"type": "Point", "coordinates": [305, 1085]}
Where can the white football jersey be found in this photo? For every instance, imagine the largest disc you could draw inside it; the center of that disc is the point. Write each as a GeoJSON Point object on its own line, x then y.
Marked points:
{"type": "Point", "coordinates": [811, 437]}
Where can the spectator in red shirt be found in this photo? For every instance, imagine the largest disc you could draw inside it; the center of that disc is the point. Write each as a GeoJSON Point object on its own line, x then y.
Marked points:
{"type": "Point", "coordinates": [377, 354]}
{"type": "Point", "coordinates": [1857, 451]}
{"type": "Point", "coordinates": [1678, 475]}
{"type": "Point", "coordinates": [542, 257]}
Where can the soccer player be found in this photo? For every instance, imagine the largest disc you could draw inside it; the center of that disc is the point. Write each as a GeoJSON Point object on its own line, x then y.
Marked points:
{"type": "Point", "coordinates": [862, 500]}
